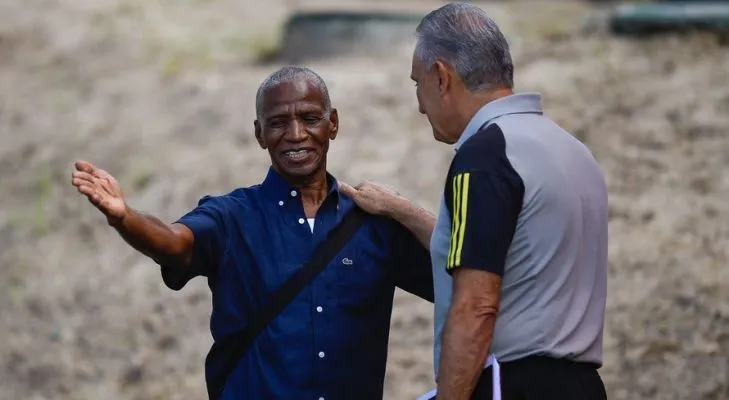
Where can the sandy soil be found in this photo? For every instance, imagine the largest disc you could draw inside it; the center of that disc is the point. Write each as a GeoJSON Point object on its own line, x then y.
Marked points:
{"type": "Point", "coordinates": [162, 95]}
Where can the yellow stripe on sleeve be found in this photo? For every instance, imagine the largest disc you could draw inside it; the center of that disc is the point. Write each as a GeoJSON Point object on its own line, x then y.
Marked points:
{"type": "Point", "coordinates": [464, 216]}
{"type": "Point", "coordinates": [460, 209]}
{"type": "Point", "coordinates": [454, 222]}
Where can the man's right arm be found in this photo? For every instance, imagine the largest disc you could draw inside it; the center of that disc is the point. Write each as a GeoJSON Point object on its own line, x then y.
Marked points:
{"type": "Point", "coordinates": [166, 244]}
{"type": "Point", "coordinates": [189, 247]}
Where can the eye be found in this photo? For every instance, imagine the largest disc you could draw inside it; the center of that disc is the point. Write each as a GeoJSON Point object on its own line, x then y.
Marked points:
{"type": "Point", "coordinates": [312, 118]}
{"type": "Point", "coordinates": [276, 123]}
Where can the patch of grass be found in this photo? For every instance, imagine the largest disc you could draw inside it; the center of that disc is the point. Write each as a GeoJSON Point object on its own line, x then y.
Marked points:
{"type": "Point", "coordinates": [172, 65]}
{"type": "Point", "coordinates": [141, 180]}
{"type": "Point", "coordinates": [43, 190]}
{"type": "Point", "coordinates": [15, 282]}
{"type": "Point", "coordinates": [264, 49]}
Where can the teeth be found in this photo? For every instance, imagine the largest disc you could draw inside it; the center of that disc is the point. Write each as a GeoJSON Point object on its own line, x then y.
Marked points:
{"type": "Point", "coordinates": [298, 154]}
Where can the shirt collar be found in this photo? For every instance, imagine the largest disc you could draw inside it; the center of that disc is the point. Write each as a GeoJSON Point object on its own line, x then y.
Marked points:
{"type": "Point", "coordinates": [521, 103]}
{"type": "Point", "coordinates": [275, 186]}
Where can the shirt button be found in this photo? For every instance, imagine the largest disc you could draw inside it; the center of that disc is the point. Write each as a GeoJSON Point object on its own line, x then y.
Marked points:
{"type": "Point", "coordinates": [293, 193]}
{"type": "Point", "coordinates": [319, 309]}
{"type": "Point", "coordinates": [321, 354]}
{"type": "Point", "coordinates": [280, 202]}
{"type": "Point", "coordinates": [301, 220]}
{"type": "Point", "coordinates": [321, 398]}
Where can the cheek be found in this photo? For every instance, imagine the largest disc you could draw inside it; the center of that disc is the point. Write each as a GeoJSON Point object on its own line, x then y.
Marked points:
{"type": "Point", "coordinates": [418, 96]}
{"type": "Point", "coordinates": [320, 135]}
{"type": "Point", "coordinates": [273, 137]}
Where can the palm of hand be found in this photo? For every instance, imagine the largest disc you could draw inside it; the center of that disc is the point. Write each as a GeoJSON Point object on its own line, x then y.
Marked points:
{"type": "Point", "coordinates": [101, 189]}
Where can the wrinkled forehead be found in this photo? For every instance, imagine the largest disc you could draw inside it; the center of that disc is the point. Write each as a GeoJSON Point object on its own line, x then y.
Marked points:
{"type": "Point", "coordinates": [293, 95]}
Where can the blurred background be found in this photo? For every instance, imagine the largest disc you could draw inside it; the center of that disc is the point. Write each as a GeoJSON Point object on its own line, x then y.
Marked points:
{"type": "Point", "coordinates": [161, 94]}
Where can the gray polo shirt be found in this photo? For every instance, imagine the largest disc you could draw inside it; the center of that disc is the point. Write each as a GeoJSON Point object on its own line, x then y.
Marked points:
{"type": "Point", "coordinates": [526, 200]}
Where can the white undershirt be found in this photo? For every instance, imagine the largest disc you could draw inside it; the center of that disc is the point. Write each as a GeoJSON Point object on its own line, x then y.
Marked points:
{"type": "Point", "coordinates": [311, 224]}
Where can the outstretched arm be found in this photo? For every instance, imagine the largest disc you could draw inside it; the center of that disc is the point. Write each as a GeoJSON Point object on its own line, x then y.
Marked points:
{"type": "Point", "coordinates": [165, 244]}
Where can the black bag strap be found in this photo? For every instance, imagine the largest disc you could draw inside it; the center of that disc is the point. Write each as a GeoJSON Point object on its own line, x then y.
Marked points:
{"type": "Point", "coordinates": [234, 346]}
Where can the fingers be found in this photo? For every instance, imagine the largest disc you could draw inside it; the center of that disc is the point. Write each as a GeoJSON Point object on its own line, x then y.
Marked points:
{"type": "Point", "coordinates": [85, 167]}
{"type": "Point", "coordinates": [87, 190]}
{"type": "Point", "coordinates": [347, 190]}
{"type": "Point", "coordinates": [80, 178]}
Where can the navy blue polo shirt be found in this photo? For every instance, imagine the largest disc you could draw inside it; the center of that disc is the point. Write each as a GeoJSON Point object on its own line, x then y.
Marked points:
{"type": "Point", "coordinates": [331, 341]}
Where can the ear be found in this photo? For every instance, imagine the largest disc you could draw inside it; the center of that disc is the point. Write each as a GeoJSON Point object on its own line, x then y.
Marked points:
{"type": "Point", "coordinates": [333, 124]}
{"type": "Point", "coordinates": [259, 135]}
{"type": "Point", "coordinates": [443, 72]}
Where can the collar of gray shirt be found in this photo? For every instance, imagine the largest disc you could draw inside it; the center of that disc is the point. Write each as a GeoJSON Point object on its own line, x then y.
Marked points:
{"type": "Point", "coordinates": [520, 103]}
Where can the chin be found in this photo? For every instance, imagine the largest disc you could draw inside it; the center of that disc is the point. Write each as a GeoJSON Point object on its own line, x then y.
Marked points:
{"type": "Point", "coordinates": [299, 170]}
{"type": "Point", "coordinates": [439, 137]}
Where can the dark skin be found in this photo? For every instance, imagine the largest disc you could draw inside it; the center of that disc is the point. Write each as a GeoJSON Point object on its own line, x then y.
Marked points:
{"type": "Point", "coordinates": [294, 119]}
{"type": "Point", "coordinates": [469, 327]}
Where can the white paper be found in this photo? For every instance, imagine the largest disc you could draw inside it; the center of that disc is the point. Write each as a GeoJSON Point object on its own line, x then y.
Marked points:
{"type": "Point", "coordinates": [495, 380]}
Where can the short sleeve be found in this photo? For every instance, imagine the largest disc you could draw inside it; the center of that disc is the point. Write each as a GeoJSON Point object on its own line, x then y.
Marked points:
{"type": "Point", "coordinates": [484, 196]}
{"type": "Point", "coordinates": [411, 264]}
{"type": "Point", "coordinates": [207, 223]}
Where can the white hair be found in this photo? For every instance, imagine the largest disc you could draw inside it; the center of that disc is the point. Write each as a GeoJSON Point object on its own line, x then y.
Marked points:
{"type": "Point", "coordinates": [466, 38]}
{"type": "Point", "coordinates": [289, 73]}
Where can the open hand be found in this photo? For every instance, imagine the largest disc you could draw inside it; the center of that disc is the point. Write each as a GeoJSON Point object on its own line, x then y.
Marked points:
{"type": "Point", "coordinates": [372, 197]}
{"type": "Point", "coordinates": [102, 190]}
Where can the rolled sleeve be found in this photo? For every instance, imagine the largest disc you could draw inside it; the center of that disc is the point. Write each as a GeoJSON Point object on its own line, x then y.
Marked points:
{"type": "Point", "coordinates": [207, 223]}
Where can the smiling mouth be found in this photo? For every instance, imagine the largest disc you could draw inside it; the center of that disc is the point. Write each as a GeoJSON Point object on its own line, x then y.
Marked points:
{"type": "Point", "coordinates": [296, 155]}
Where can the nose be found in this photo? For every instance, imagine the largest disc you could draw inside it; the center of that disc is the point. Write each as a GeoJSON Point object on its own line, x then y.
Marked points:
{"type": "Point", "coordinates": [296, 132]}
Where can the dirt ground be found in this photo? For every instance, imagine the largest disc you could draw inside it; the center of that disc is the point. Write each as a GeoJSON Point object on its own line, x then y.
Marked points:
{"type": "Point", "coordinates": [161, 94]}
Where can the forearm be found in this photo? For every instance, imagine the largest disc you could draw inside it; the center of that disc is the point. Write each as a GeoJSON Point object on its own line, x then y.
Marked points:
{"type": "Point", "coordinates": [153, 238]}
{"type": "Point", "coordinates": [419, 221]}
{"type": "Point", "coordinates": [466, 339]}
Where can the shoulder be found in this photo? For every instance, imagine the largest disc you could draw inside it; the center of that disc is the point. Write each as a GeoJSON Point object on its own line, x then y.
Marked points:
{"type": "Point", "coordinates": [485, 151]}
{"type": "Point", "coordinates": [236, 197]}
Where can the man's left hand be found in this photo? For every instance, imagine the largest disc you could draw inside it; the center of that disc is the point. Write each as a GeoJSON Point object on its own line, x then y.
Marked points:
{"type": "Point", "coordinates": [372, 197]}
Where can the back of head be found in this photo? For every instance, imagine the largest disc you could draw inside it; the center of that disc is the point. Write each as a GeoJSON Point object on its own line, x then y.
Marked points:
{"type": "Point", "coordinates": [287, 74]}
{"type": "Point", "coordinates": [466, 38]}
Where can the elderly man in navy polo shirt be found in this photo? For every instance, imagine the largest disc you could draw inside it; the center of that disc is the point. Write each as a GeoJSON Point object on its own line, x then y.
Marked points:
{"type": "Point", "coordinates": [331, 341]}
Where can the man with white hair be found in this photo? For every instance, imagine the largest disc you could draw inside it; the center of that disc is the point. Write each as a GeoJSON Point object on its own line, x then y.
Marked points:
{"type": "Point", "coordinates": [519, 249]}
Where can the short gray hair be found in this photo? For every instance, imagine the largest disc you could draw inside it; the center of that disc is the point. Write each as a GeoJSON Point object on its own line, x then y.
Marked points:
{"type": "Point", "coordinates": [466, 38]}
{"type": "Point", "coordinates": [290, 73]}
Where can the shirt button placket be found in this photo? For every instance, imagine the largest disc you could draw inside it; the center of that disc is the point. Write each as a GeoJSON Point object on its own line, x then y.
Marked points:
{"type": "Point", "coordinates": [321, 354]}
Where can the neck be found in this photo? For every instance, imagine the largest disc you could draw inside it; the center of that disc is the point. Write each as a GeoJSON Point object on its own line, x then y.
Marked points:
{"type": "Point", "coordinates": [475, 101]}
{"type": "Point", "coordinates": [313, 188]}
{"type": "Point", "coordinates": [314, 192]}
